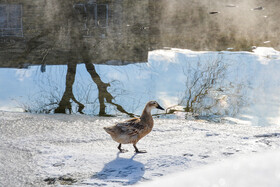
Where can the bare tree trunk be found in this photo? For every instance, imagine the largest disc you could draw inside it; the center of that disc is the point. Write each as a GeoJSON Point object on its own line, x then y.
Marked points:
{"type": "Point", "coordinates": [65, 102]}
{"type": "Point", "coordinates": [103, 93]}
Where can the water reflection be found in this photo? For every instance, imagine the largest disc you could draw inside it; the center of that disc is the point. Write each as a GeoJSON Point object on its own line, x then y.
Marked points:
{"type": "Point", "coordinates": [201, 83]}
{"type": "Point", "coordinates": [65, 103]}
{"type": "Point", "coordinates": [103, 93]}
{"type": "Point", "coordinates": [97, 56]}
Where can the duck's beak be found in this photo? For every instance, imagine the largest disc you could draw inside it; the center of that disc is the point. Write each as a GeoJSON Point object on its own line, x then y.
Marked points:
{"type": "Point", "coordinates": [159, 107]}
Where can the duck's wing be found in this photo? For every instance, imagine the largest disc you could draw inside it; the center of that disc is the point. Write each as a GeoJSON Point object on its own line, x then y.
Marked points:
{"type": "Point", "coordinates": [131, 127]}
{"type": "Point", "coordinates": [130, 122]}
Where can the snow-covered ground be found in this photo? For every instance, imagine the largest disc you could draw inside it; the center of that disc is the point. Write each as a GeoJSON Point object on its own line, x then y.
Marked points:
{"type": "Point", "coordinates": [253, 170]}
{"type": "Point", "coordinates": [36, 150]}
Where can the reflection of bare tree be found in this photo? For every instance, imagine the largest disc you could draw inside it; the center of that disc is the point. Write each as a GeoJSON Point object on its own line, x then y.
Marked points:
{"type": "Point", "coordinates": [202, 81]}
{"type": "Point", "coordinates": [210, 91]}
{"type": "Point", "coordinates": [34, 42]}
{"type": "Point", "coordinates": [103, 93]}
{"type": "Point", "coordinates": [63, 31]}
{"type": "Point", "coordinates": [65, 102]}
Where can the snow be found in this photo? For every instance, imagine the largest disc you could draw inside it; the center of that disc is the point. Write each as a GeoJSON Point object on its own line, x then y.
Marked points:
{"type": "Point", "coordinates": [36, 149]}
{"type": "Point", "coordinates": [253, 170]}
{"type": "Point", "coordinates": [240, 150]}
{"type": "Point", "coordinates": [267, 52]}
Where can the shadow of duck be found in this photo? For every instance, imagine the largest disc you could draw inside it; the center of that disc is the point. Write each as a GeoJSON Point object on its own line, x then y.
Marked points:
{"type": "Point", "coordinates": [121, 170]}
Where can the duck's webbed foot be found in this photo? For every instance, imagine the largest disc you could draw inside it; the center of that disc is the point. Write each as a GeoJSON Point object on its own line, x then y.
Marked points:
{"type": "Point", "coordinates": [137, 151]}
{"type": "Point", "coordinates": [143, 151]}
{"type": "Point", "coordinates": [122, 150]}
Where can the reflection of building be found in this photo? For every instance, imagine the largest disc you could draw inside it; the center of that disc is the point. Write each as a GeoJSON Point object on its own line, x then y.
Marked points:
{"type": "Point", "coordinates": [98, 31]}
{"type": "Point", "coordinates": [94, 15]}
{"type": "Point", "coordinates": [10, 20]}
{"type": "Point", "coordinates": [54, 32]}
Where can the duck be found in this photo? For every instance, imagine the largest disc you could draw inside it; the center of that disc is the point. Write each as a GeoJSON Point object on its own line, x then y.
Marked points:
{"type": "Point", "coordinates": [132, 130]}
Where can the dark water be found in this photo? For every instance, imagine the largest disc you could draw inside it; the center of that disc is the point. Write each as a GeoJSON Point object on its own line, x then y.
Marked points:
{"type": "Point", "coordinates": [99, 57]}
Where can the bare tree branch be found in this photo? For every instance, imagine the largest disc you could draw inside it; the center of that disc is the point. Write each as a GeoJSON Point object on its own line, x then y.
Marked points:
{"type": "Point", "coordinates": [103, 93]}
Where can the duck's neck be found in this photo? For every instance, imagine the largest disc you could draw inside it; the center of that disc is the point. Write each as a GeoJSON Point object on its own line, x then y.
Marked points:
{"type": "Point", "coordinates": [146, 114]}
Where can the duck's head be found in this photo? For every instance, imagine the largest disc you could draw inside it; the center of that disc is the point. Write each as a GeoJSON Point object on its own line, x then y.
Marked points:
{"type": "Point", "coordinates": [154, 104]}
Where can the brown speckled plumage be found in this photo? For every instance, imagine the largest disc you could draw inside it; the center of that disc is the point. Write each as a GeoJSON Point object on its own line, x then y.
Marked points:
{"type": "Point", "coordinates": [131, 131]}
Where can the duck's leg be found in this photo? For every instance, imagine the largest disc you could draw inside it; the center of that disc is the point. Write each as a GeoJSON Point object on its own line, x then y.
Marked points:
{"type": "Point", "coordinates": [137, 151]}
{"type": "Point", "coordinates": [121, 150]}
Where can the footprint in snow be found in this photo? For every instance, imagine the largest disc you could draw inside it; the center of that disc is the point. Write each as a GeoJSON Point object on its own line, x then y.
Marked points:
{"type": "Point", "coordinates": [188, 154]}
{"type": "Point", "coordinates": [203, 156]}
{"type": "Point", "coordinates": [227, 153]}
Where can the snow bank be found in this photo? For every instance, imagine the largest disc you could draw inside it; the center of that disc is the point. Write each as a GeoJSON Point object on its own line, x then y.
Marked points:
{"type": "Point", "coordinates": [267, 52]}
{"type": "Point", "coordinates": [252, 170]}
{"type": "Point", "coordinates": [39, 149]}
